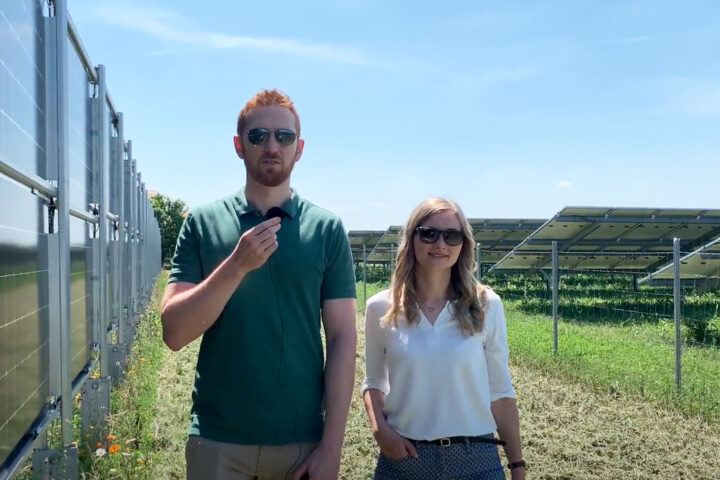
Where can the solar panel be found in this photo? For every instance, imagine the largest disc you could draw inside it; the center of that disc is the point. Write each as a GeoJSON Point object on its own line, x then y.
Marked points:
{"type": "Point", "coordinates": [701, 263]}
{"type": "Point", "coordinates": [620, 239]}
{"type": "Point", "coordinates": [381, 252]}
{"type": "Point", "coordinates": [501, 234]}
{"type": "Point", "coordinates": [358, 238]}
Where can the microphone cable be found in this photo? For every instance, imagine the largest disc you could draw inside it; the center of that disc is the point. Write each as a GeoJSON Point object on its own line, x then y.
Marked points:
{"type": "Point", "coordinates": [272, 213]}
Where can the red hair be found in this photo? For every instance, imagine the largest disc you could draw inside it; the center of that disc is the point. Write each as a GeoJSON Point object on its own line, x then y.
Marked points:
{"type": "Point", "coordinates": [265, 98]}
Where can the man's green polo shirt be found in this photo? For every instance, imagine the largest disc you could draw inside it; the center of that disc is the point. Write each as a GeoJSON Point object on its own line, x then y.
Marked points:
{"type": "Point", "coordinates": [259, 377]}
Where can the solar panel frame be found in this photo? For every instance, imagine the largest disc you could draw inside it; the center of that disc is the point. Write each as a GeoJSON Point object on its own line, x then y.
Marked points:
{"type": "Point", "coordinates": [635, 233]}
{"type": "Point", "coordinates": [702, 263]}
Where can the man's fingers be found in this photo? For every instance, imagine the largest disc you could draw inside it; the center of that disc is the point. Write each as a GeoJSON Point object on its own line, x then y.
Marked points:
{"type": "Point", "coordinates": [262, 235]}
{"type": "Point", "coordinates": [267, 224]}
{"type": "Point", "coordinates": [270, 247]}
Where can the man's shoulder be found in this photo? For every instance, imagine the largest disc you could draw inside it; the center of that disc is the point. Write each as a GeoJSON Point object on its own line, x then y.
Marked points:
{"type": "Point", "coordinates": [221, 206]}
{"type": "Point", "coordinates": [311, 211]}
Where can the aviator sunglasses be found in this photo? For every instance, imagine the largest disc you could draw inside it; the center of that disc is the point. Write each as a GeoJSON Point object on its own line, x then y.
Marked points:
{"type": "Point", "coordinates": [260, 136]}
{"type": "Point", "coordinates": [432, 235]}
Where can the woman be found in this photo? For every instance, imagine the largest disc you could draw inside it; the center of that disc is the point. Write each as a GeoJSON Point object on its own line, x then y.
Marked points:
{"type": "Point", "coordinates": [437, 383]}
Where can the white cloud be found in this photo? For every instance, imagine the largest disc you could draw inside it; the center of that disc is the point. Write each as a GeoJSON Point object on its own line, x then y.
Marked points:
{"type": "Point", "coordinates": [564, 184]}
{"type": "Point", "coordinates": [169, 26]}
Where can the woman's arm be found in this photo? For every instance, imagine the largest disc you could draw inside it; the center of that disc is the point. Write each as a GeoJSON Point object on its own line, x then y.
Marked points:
{"type": "Point", "coordinates": [391, 443]}
{"type": "Point", "coordinates": [502, 395]}
{"type": "Point", "coordinates": [506, 417]}
{"type": "Point", "coordinates": [376, 384]}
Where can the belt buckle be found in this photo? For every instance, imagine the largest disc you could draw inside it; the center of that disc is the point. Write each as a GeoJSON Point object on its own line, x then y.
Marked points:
{"type": "Point", "coordinates": [445, 442]}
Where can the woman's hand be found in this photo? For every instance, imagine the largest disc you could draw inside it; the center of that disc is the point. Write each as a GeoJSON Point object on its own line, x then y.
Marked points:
{"type": "Point", "coordinates": [393, 445]}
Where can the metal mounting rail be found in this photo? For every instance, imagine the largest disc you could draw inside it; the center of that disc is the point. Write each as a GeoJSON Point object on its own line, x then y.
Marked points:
{"type": "Point", "coordinates": [35, 182]}
{"type": "Point", "coordinates": [83, 215]}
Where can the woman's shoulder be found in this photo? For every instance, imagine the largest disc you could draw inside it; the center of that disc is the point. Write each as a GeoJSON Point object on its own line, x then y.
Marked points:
{"type": "Point", "coordinates": [489, 299]}
{"type": "Point", "coordinates": [379, 301]}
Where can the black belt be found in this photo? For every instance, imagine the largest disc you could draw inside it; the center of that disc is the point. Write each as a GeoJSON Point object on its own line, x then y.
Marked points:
{"type": "Point", "coordinates": [447, 441]}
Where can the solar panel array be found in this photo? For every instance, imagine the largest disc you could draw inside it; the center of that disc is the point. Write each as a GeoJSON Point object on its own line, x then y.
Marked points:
{"type": "Point", "coordinates": [616, 239]}
{"type": "Point", "coordinates": [589, 238]}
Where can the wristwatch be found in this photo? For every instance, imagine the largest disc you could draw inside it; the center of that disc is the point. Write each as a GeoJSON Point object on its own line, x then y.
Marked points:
{"type": "Point", "coordinates": [518, 464]}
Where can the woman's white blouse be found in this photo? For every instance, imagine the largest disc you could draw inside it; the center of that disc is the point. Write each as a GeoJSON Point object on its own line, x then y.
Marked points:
{"type": "Point", "coordinates": [437, 381]}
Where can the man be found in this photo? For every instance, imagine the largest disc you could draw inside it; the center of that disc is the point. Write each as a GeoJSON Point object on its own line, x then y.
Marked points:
{"type": "Point", "coordinates": [256, 281]}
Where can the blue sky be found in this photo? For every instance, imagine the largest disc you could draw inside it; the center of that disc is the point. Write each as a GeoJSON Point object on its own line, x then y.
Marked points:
{"type": "Point", "coordinates": [513, 109]}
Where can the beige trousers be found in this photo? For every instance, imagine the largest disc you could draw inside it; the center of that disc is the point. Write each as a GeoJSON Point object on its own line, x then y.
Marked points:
{"type": "Point", "coordinates": [212, 460]}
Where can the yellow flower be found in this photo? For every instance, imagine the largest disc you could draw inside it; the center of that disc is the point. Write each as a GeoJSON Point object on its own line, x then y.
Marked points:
{"type": "Point", "coordinates": [110, 437]}
{"type": "Point", "coordinates": [141, 461]}
{"type": "Point", "coordinates": [114, 448]}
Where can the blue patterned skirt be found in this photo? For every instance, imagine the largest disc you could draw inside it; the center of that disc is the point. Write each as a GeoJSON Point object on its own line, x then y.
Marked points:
{"type": "Point", "coordinates": [468, 461]}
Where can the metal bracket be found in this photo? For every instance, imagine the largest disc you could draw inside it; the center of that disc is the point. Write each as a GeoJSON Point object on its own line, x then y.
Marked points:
{"type": "Point", "coordinates": [117, 354]}
{"type": "Point", "coordinates": [52, 207]}
{"type": "Point", "coordinates": [55, 464]}
{"type": "Point", "coordinates": [95, 409]}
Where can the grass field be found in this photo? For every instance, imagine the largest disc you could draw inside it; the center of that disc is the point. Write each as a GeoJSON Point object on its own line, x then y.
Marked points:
{"type": "Point", "coordinates": [578, 419]}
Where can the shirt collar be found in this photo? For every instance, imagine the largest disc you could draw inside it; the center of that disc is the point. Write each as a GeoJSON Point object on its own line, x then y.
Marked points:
{"type": "Point", "coordinates": [290, 206]}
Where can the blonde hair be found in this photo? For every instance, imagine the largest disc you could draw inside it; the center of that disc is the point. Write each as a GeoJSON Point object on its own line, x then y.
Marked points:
{"type": "Point", "coordinates": [467, 293]}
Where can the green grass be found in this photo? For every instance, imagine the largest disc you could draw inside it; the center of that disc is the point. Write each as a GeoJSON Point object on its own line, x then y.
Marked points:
{"type": "Point", "coordinates": [131, 427]}
{"type": "Point", "coordinates": [629, 359]}
{"type": "Point", "coordinates": [372, 289]}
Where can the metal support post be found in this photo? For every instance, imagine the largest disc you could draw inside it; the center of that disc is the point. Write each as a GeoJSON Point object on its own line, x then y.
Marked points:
{"type": "Point", "coordinates": [364, 275]}
{"type": "Point", "coordinates": [677, 311]}
{"type": "Point", "coordinates": [478, 247]}
{"type": "Point", "coordinates": [119, 209]}
{"type": "Point", "coordinates": [60, 152]}
{"type": "Point", "coordinates": [60, 464]}
{"type": "Point", "coordinates": [555, 294]}
{"type": "Point", "coordinates": [100, 124]}
{"type": "Point", "coordinates": [115, 203]}
{"type": "Point", "coordinates": [143, 245]}
{"type": "Point", "coordinates": [133, 246]}
{"type": "Point", "coordinates": [126, 240]}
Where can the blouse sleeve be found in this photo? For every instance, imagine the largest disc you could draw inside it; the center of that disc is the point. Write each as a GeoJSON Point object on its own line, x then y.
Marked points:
{"type": "Point", "coordinates": [496, 350]}
{"type": "Point", "coordinates": [376, 371]}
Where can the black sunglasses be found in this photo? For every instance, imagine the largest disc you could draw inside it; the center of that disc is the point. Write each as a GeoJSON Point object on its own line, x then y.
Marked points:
{"type": "Point", "coordinates": [260, 136]}
{"type": "Point", "coordinates": [431, 235]}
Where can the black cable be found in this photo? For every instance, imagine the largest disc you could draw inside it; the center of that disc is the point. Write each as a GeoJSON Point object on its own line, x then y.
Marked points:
{"type": "Point", "coordinates": [272, 213]}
